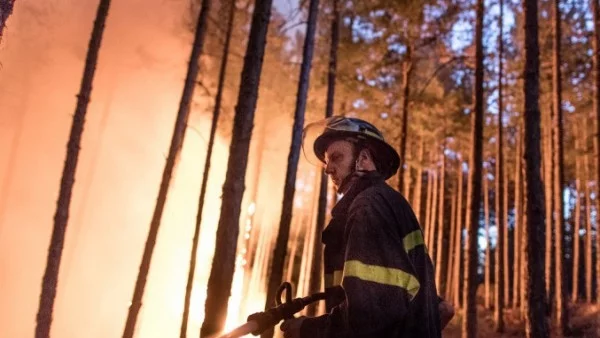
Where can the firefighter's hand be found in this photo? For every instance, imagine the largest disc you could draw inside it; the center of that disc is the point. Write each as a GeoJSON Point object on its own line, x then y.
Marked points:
{"type": "Point", "coordinates": [291, 327]}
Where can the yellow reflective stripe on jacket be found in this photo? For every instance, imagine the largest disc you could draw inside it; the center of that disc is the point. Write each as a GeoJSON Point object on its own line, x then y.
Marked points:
{"type": "Point", "coordinates": [333, 279]}
{"type": "Point", "coordinates": [382, 275]}
{"type": "Point", "coordinates": [413, 240]}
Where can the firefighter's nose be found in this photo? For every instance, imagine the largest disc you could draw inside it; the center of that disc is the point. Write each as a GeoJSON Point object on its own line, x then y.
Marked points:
{"type": "Point", "coordinates": [328, 169]}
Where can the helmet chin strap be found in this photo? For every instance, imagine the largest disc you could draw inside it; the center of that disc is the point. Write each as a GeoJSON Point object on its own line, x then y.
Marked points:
{"type": "Point", "coordinates": [355, 172]}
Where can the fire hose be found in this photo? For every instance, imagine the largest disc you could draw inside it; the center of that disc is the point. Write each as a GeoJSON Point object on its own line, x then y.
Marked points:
{"type": "Point", "coordinates": [259, 322]}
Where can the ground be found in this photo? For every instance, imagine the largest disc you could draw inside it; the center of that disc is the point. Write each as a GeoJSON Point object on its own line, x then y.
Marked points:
{"type": "Point", "coordinates": [585, 322]}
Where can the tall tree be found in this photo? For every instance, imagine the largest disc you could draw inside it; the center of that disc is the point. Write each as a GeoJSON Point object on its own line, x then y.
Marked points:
{"type": "Point", "coordinates": [316, 272]}
{"type": "Point", "coordinates": [451, 251]}
{"type": "Point", "coordinates": [6, 8]}
{"type": "Point", "coordinates": [518, 221]}
{"type": "Point", "coordinates": [577, 222]}
{"type": "Point", "coordinates": [549, 196]}
{"type": "Point", "coordinates": [458, 239]}
{"type": "Point", "coordinates": [469, 328]}
{"type": "Point", "coordinates": [221, 273]}
{"type": "Point", "coordinates": [588, 222]}
{"type": "Point", "coordinates": [281, 244]}
{"type": "Point", "coordinates": [499, 198]}
{"type": "Point", "coordinates": [174, 151]}
{"type": "Point", "coordinates": [596, 43]}
{"type": "Point", "coordinates": [209, 150]}
{"type": "Point", "coordinates": [536, 325]}
{"type": "Point", "coordinates": [487, 261]}
{"type": "Point", "coordinates": [560, 299]}
{"type": "Point", "coordinates": [441, 233]}
{"type": "Point", "coordinates": [407, 68]}
{"type": "Point", "coordinates": [61, 217]}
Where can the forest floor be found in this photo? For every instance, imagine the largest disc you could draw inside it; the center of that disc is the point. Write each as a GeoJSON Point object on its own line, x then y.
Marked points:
{"type": "Point", "coordinates": [584, 320]}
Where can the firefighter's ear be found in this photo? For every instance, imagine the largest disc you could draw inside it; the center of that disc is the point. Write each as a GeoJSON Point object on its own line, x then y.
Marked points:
{"type": "Point", "coordinates": [365, 162]}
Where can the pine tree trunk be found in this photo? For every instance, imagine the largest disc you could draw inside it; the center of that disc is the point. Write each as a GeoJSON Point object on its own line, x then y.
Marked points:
{"type": "Point", "coordinates": [406, 75]}
{"type": "Point", "coordinates": [427, 225]}
{"type": "Point", "coordinates": [407, 180]}
{"type": "Point", "coordinates": [451, 251]}
{"type": "Point", "coordinates": [432, 214]}
{"type": "Point", "coordinates": [518, 223]}
{"type": "Point", "coordinates": [588, 224]}
{"type": "Point", "coordinates": [174, 151]}
{"type": "Point", "coordinates": [487, 261]}
{"type": "Point", "coordinates": [549, 196]}
{"type": "Point", "coordinates": [535, 320]}
{"type": "Point", "coordinates": [499, 198]}
{"type": "Point", "coordinates": [524, 291]}
{"type": "Point", "coordinates": [276, 275]}
{"type": "Point", "coordinates": [61, 217]}
{"type": "Point", "coordinates": [221, 274]}
{"type": "Point", "coordinates": [317, 272]}
{"type": "Point", "coordinates": [577, 222]}
{"type": "Point", "coordinates": [441, 233]}
{"type": "Point", "coordinates": [419, 185]}
{"type": "Point", "coordinates": [458, 239]}
{"type": "Point", "coordinates": [506, 263]}
{"type": "Point", "coordinates": [6, 8]}
{"type": "Point", "coordinates": [596, 43]}
{"type": "Point", "coordinates": [469, 328]}
{"type": "Point", "coordinates": [561, 271]}
{"type": "Point", "coordinates": [211, 141]}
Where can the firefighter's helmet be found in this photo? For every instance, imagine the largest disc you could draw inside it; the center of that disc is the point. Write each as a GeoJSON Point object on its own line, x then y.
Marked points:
{"type": "Point", "coordinates": [318, 135]}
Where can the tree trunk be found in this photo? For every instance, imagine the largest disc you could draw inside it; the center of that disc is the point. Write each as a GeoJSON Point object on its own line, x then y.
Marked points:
{"type": "Point", "coordinates": [486, 264]}
{"type": "Point", "coordinates": [174, 151]}
{"type": "Point", "coordinates": [506, 267]}
{"type": "Point", "coordinates": [61, 217]}
{"type": "Point", "coordinates": [588, 224]}
{"type": "Point", "coordinates": [560, 272]}
{"type": "Point", "coordinates": [596, 43]}
{"type": "Point", "coordinates": [549, 196]}
{"type": "Point", "coordinates": [221, 274]}
{"type": "Point", "coordinates": [458, 240]}
{"type": "Point", "coordinates": [6, 8]}
{"type": "Point", "coordinates": [419, 185]}
{"type": "Point", "coordinates": [441, 233]}
{"type": "Point", "coordinates": [518, 223]}
{"type": "Point", "coordinates": [499, 198]}
{"type": "Point", "coordinates": [427, 225]}
{"type": "Point", "coordinates": [535, 319]}
{"type": "Point", "coordinates": [407, 180]}
{"type": "Point", "coordinates": [451, 247]}
{"type": "Point", "coordinates": [317, 272]}
{"type": "Point", "coordinates": [211, 140]}
{"type": "Point", "coordinates": [524, 291]}
{"type": "Point", "coordinates": [577, 222]}
{"type": "Point", "coordinates": [406, 73]}
{"type": "Point", "coordinates": [474, 191]}
{"type": "Point", "coordinates": [276, 275]}
{"type": "Point", "coordinates": [433, 213]}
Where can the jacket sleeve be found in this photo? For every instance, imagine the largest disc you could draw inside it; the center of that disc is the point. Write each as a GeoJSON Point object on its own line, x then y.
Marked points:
{"type": "Point", "coordinates": [379, 279]}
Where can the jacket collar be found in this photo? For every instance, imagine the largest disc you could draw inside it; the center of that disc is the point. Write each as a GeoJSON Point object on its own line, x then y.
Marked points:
{"type": "Point", "coordinates": [360, 182]}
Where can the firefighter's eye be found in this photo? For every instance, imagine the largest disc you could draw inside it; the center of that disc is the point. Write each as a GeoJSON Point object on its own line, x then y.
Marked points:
{"type": "Point", "coordinates": [336, 157]}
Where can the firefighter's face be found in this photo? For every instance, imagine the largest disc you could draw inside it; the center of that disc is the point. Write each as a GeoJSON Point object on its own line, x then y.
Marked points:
{"type": "Point", "coordinates": [339, 161]}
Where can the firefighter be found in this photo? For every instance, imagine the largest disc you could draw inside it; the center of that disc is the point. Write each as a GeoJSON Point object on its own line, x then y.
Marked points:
{"type": "Point", "coordinates": [379, 278]}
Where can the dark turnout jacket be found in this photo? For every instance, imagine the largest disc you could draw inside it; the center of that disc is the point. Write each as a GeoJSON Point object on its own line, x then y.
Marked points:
{"type": "Point", "coordinates": [379, 278]}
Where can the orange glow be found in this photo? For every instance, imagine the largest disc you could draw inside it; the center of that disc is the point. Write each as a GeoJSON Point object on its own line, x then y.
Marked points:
{"type": "Point", "coordinates": [125, 141]}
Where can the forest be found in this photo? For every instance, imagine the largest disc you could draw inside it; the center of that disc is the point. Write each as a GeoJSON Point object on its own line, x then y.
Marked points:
{"type": "Point", "coordinates": [182, 199]}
